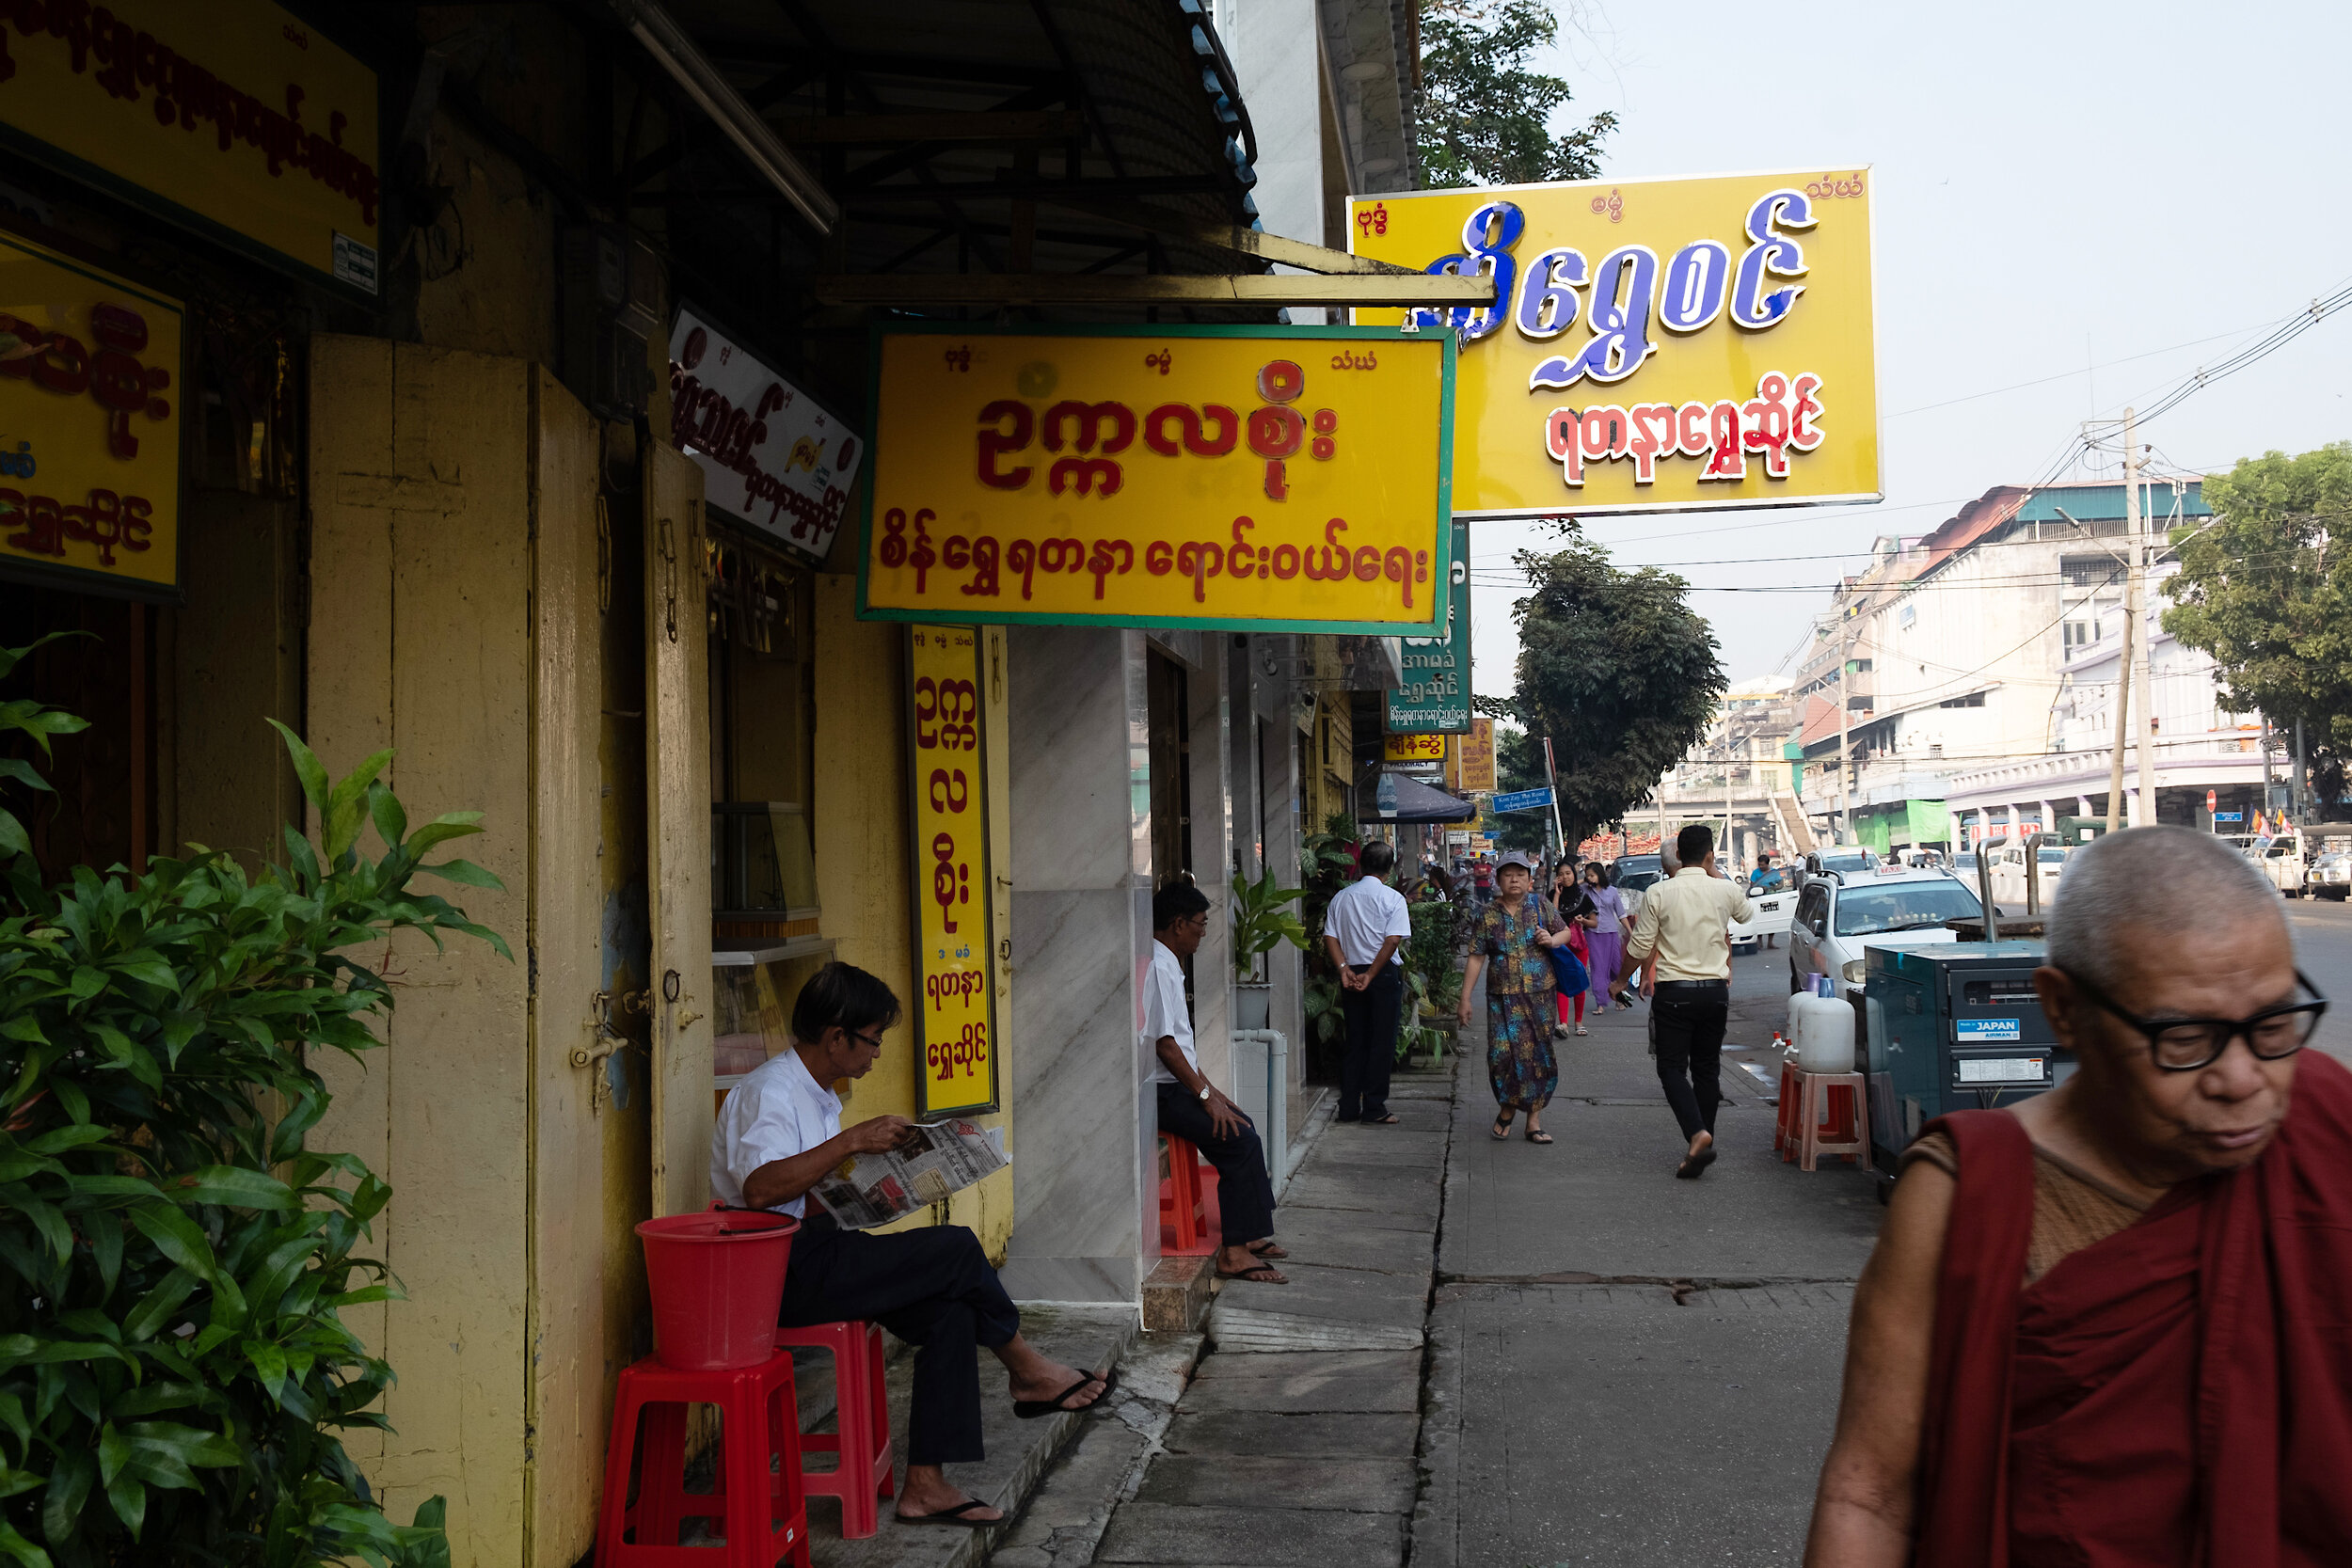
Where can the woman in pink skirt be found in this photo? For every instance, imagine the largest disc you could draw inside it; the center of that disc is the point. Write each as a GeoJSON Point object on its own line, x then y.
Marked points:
{"type": "Point", "coordinates": [1605, 937]}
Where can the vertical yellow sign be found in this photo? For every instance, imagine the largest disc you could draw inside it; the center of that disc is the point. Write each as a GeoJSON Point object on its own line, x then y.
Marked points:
{"type": "Point", "coordinates": [955, 1007]}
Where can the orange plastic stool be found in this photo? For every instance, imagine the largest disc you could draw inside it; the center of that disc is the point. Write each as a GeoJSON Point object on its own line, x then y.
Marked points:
{"type": "Point", "coordinates": [1190, 1221]}
{"type": "Point", "coordinates": [1785, 1134]}
{"type": "Point", "coordinates": [1848, 1130]}
{"type": "Point", "coordinates": [863, 1407]}
{"type": "Point", "coordinates": [757, 1495]}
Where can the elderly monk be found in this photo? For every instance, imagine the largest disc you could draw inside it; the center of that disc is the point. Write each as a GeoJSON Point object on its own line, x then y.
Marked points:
{"type": "Point", "coordinates": [2112, 1326]}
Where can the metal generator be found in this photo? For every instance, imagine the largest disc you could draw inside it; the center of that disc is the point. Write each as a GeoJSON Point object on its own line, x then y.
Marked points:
{"type": "Point", "coordinates": [1953, 1027]}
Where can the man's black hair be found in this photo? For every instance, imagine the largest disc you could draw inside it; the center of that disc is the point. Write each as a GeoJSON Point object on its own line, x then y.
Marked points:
{"type": "Point", "coordinates": [1378, 857]}
{"type": "Point", "coordinates": [842, 996]}
{"type": "Point", "coordinates": [1177, 901]}
{"type": "Point", "coordinates": [1694, 843]}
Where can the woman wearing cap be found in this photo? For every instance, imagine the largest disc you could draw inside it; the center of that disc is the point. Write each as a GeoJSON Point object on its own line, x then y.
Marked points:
{"type": "Point", "coordinates": [1509, 945]}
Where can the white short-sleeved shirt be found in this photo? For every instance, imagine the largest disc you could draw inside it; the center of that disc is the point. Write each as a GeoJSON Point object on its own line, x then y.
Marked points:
{"type": "Point", "coordinates": [1164, 1011]}
{"type": "Point", "coordinates": [1364, 914]}
{"type": "Point", "coordinates": [777, 1111]}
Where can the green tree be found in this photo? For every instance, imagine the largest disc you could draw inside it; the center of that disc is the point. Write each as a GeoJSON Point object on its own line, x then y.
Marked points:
{"type": "Point", "coordinates": [1617, 669]}
{"type": "Point", "coordinates": [2263, 591]}
{"type": "Point", "coordinates": [1482, 117]}
{"type": "Point", "coordinates": [1519, 765]}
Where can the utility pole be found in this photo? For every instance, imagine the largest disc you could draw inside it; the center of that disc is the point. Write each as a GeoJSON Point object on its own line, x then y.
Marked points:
{"type": "Point", "coordinates": [1845, 712]}
{"type": "Point", "coordinates": [2123, 655]}
{"type": "Point", "coordinates": [1551, 779]}
{"type": "Point", "coordinates": [2132, 525]}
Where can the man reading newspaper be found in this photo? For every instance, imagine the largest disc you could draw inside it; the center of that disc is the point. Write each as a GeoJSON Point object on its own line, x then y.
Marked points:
{"type": "Point", "coordinates": [779, 1135]}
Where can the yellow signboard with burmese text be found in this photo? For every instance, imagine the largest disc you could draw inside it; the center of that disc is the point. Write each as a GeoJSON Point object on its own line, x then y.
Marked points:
{"type": "Point", "coordinates": [1267, 479]}
{"type": "Point", "coordinates": [1654, 344]}
{"type": "Point", "coordinates": [955, 1011]}
{"type": "Point", "coordinates": [1428, 748]}
{"type": "Point", "coordinates": [234, 118]}
{"type": "Point", "coordinates": [90, 411]}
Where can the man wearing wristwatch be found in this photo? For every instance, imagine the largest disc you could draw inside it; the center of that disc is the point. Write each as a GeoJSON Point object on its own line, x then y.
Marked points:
{"type": "Point", "coordinates": [1190, 1108]}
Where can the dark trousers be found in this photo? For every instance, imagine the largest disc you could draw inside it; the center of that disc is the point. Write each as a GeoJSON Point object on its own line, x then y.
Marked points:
{"type": "Point", "coordinates": [932, 1289]}
{"type": "Point", "coordinates": [1244, 1196]}
{"type": "Point", "coordinates": [1687, 1024]}
{"type": "Point", "coordinates": [1371, 1049]}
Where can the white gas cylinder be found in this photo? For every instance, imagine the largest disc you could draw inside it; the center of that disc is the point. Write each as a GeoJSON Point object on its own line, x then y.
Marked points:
{"type": "Point", "coordinates": [1825, 1035]}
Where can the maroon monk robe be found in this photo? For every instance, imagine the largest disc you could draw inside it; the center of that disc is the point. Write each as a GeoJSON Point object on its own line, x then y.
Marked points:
{"type": "Point", "coordinates": [2180, 1393]}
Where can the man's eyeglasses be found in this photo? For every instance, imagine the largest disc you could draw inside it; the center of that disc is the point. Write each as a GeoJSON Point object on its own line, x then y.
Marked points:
{"type": "Point", "coordinates": [871, 1042]}
{"type": "Point", "coordinates": [2186, 1044]}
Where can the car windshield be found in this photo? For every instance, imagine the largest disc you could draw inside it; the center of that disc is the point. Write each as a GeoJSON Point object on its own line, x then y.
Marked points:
{"type": "Point", "coordinates": [1903, 907]}
{"type": "Point", "coordinates": [1633, 882]}
{"type": "Point", "coordinates": [2053, 857]}
{"type": "Point", "coordinates": [1843, 862]}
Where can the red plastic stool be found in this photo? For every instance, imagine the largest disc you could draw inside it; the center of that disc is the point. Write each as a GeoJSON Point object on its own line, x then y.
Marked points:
{"type": "Point", "coordinates": [1188, 1212]}
{"type": "Point", "coordinates": [1831, 1119]}
{"type": "Point", "coordinates": [1786, 1133]}
{"type": "Point", "coordinates": [757, 1494]}
{"type": "Point", "coordinates": [863, 1407]}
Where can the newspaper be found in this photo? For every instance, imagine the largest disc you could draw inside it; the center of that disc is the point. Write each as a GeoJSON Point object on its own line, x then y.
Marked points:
{"type": "Point", "coordinates": [868, 1190]}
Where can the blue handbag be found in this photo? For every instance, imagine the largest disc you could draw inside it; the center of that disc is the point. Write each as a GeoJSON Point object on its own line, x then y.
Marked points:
{"type": "Point", "coordinates": [1567, 973]}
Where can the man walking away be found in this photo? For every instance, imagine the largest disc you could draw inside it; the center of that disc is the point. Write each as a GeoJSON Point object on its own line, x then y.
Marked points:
{"type": "Point", "coordinates": [1190, 1109]}
{"type": "Point", "coordinates": [1685, 921]}
{"type": "Point", "coordinates": [1362, 930]}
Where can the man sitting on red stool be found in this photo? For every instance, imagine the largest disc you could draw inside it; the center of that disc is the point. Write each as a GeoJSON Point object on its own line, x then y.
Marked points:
{"type": "Point", "coordinates": [779, 1132]}
{"type": "Point", "coordinates": [1190, 1109]}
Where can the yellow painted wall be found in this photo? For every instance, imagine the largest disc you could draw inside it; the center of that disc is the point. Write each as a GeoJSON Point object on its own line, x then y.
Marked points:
{"type": "Point", "coordinates": [863, 870]}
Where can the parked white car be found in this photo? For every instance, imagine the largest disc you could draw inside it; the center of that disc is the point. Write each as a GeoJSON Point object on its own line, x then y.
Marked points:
{"type": "Point", "coordinates": [1836, 920]}
{"type": "Point", "coordinates": [2330, 876]}
{"type": "Point", "coordinates": [1774, 899]}
{"type": "Point", "coordinates": [2008, 876]}
{"type": "Point", "coordinates": [2282, 863]}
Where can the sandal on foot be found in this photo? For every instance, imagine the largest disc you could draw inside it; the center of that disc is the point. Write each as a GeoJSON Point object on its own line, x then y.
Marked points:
{"type": "Point", "coordinates": [1579, 1029]}
{"type": "Point", "coordinates": [1256, 1273]}
{"type": "Point", "coordinates": [1502, 1127]}
{"type": "Point", "coordinates": [1692, 1165]}
{"type": "Point", "coordinates": [1266, 1249]}
{"type": "Point", "coordinates": [1389, 1120]}
{"type": "Point", "coordinates": [1029, 1410]}
{"type": "Point", "coordinates": [956, 1515]}
{"type": "Point", "coordinates": [1537, 1136]}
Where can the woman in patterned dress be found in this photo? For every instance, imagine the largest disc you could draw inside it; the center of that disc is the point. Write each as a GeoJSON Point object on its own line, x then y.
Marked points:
{"type": "Point", "coordinates": [1509, 943]}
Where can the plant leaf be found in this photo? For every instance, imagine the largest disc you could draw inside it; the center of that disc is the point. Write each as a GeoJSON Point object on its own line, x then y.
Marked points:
{"type": "Point", "coordinates": [465, 872]}
{"type": "Point", "coordinates": [346, 804]}
{"type": "Point", "coordinates": [307, 768]}
{"type": "Point", "coordinates": [232, 1185]}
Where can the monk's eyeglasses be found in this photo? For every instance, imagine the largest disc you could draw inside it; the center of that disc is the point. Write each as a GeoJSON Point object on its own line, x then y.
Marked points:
{"type": "Point", "coordinates": [2188, 1044]}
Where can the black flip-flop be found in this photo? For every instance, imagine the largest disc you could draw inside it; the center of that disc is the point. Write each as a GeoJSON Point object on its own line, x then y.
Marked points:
{"type": "Point", "coordinates": [1388, 1120]}
{"type": "Point", "coordinates": [1266, 1249]}
{"type": "Point", "coordinates": [1539, 1136]}
{"type": "Point", "coordinates": [1030, 1410]}
{"type": "Point", "coordinates": [1243, 1276]}
{"type": "Point", "coordinates": [1692, 1165]}
{"type": "Point", "coordinates": [952, 1515]}
{"type": "Point", "coordinates": [1502, 1127]}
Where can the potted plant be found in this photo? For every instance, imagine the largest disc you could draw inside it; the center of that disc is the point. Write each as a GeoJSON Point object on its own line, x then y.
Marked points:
{"type": "Point", "coordinates": [1262, 922]}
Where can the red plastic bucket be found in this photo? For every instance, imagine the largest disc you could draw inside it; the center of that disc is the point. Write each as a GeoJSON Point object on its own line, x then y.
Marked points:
{"type": "Point", "coordinates": [718, 1281]}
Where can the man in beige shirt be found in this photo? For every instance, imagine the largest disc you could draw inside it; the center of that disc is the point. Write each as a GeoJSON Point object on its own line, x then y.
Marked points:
{"type": "Point", "coordinates": [1686, 920]}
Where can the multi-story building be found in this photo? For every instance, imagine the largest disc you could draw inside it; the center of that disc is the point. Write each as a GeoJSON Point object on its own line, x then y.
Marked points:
{"type": "Point", "coordinates": [1964, 654]}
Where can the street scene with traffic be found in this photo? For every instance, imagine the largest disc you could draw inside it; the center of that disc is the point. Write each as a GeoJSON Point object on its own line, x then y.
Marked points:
{"type": "Point", "coordinates": [1519, 782]}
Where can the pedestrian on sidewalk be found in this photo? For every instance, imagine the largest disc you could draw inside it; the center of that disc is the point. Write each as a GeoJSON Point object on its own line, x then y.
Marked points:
{"type": "Point", "coordinates": [1191, 1109]}
{"type": "Point", "coordinates": [1604, 938]}
{"type": "Point", "coordinates": [1575, 908]}
{"type": "Point", "coordinates": [1509, 945]}
{"type": "Point", "coordinates": [1685, 921]}
{"type": "Point", "coordinates": [1365, 928]}
{"type": "Point", "coordinates": [776, 1135]}
{"type": "Point", "coordinates": [2106, 1325]}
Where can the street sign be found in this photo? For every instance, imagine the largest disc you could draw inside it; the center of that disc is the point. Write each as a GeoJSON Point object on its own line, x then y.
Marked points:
{"type": "Point", "coordinates": [1523, 799]}
{"type": "Point", "coordinates": [1235, 477]}
{"type": "Point", "coordinates": [1437, 691]}
{"type": "Point", "coordinates": [1654, 344]}
{"type": "Point", "coordinates": [2229, 817]}
{"type": "Point", "coordinates": [2212, 801]}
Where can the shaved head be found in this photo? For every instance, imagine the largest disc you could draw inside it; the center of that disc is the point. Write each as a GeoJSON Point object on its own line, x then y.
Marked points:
{"type": "Point", "coordinates": [2167, 886]}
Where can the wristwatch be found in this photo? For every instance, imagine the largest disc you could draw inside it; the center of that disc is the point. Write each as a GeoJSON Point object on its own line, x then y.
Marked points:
{"type": "Point", "coordinates": [1206, 1090]}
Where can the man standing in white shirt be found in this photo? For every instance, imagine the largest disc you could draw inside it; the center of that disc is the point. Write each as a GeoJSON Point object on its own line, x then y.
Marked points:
{"type": "Point", "coordinates": [1191, 1108]}
{"type": "Point", "coordinates": [1363, 928]}
{"type": "Point", "coordinates": [1686, 920]}
{"type": "Point", "coordinates": [778, 1132]}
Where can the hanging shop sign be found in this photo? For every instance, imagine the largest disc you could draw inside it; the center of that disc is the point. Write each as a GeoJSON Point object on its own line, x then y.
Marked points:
{"type": "Point", "coordinates": [1427, 750]}
{"type": "Point", "coordinates": [771, 459]}
{"type": "Point", "coordinates": [955, 1012]}
{"type": "Point", "coordinates": [1236, 478]}
{"type": "Point", "coordinates": [1437, 690]}
{"type": "Point", "coordinates": [89, 425]}
{"type": "Point", "coordinates": [1654, 345]}
{"type": "Point", "coordinates": [233, 119]}
{"type": "Point", "coordinates": [1474, 759]}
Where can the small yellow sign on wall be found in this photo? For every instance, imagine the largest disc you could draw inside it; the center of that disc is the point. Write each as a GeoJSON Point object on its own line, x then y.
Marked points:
{"type": "Point", "coordinates": [233, 118]}
{"type": "Point", "coordinates": [955, 1007]}
{"type": "Point", "coordinates": [1272, 478]}
{"type": "Point", "coordinates": [1414, 748]}
{"type": "Point", "coordinates": [90, 423]}
{"type": "Point", "coordinates": [1654, 344]}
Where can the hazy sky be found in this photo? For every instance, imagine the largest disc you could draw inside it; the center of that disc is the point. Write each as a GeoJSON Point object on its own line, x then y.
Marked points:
{"type": "Point", "coordinates": [2055, 184]}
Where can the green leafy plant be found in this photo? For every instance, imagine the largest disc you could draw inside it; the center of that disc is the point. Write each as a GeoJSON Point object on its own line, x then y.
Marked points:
{"type": "Point", "coordinates": [1262, 921]}
{"type": "Point", "coordinates": [174, 1368]}
{"type": "Point", "coordinates": [1433, 977]}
